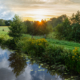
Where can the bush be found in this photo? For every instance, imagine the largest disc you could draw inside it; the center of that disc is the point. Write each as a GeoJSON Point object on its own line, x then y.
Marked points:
{"type": "Point", "coordinates": [1, 39]}
{"type": "Point", "coordinates": [33, 46]}
{"type": "Point", "coordinates": [53, 54]}
{"type": "Point", "coordinates": [73, 60]}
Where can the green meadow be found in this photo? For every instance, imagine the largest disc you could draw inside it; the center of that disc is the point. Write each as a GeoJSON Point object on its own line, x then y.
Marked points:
{"type": "Point", "coordinates": [50, 38]}
{"type": "Point", "coordinates": [3, 30]}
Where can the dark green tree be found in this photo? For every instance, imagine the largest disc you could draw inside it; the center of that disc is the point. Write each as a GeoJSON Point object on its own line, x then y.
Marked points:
{"type": "Point", "coordinates": [28, 27]}
{"type": "Point", "coordinates": [69, 29]}
{"type": "Point", "coordinates": [7, 22]}
{"type": "Point", "coordinates": [15, 28]}
{"type": "Point", "coordinates": [63, 30]}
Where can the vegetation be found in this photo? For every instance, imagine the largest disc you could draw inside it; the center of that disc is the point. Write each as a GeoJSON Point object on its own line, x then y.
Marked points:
{"type": "Point", "coordinates": [5, 22]}
{"type": "Point", "coordinates": [69, 29]}
{"type": "Point", "coordinates": [15, 28]}
{"type": "Point", "coordinates": [48, 50]}
{"type": "Point", "coordinates": [55, 21]}
{"type": "Point", "coordinates": [52, 53]}
{"type": "Point", "coordinates": [37, 28]}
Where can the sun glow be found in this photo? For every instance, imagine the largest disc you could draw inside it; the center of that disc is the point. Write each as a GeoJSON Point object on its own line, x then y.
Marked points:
{"type": "Point", "coordinates": [38, 14]}
{"type": "Point", "coordinates": [39, 17]}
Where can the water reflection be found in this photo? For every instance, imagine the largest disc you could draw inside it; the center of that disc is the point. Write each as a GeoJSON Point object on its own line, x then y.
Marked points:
{"type": "Point", "coordinates": [57, 73]}
{"type": "Point", "coordinates": [12, 64]}
{"type": "Point", "coordinates": [17, 63]}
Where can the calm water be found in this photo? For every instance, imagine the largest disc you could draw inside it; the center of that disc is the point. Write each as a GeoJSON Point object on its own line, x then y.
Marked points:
{"type": "Point", "coordinates": [15, 67]}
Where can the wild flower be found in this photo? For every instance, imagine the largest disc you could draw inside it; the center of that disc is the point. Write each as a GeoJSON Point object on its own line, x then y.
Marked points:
{"type": "Point", "coordinates": [73, 57]}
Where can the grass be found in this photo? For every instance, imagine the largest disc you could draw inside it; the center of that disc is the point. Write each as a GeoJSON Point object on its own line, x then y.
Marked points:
{"type": "Point", "coordinates": [66, 44]}
{"type": "Point", "coordinates": [5, 28]}
{"type": "Point", "coordinates": [50, 38]}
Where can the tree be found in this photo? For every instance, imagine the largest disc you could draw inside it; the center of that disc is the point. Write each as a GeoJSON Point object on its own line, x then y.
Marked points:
{"type": "Point", "coordinates": [28, 26]}
{"type": "Point", "coordinates": [7, 22]}
{"type": "Point", "coordinates": [15, 28]}
{"type": "Point", "coordinates": [2, 22]}
{"type": "Point", "coordinates": [62, 31]}
{"type": "Point", "coordinates": [75, 17]}
{"type": "Point", "coordinates": [55, 21]}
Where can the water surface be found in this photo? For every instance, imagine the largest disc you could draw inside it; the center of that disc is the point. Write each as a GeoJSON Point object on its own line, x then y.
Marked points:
{"type": "Point", "coordinates": [15, 67]}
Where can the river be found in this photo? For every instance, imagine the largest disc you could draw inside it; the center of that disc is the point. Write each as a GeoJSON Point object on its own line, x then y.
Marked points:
{"type": "Point", "coordinates": [15, 67]}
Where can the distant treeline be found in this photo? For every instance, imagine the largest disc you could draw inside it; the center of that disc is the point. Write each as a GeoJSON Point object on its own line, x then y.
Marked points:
{"type": "Point", "coordinates": [5, 22]}
{"type": "Point", "coordinates": [64, 27]}
{"type": "Point", "coordinates": [52, 22]}
{"type": "Point", "coordinates": [43, 27]}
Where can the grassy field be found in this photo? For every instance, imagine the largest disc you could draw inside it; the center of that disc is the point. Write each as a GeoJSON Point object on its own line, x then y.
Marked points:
{"type": "Point", "coordinates": [5, 28]}
{"type": "Point", "coordinates": [66, 44]}
{"type": "Point", "coordinates": [50, 38]}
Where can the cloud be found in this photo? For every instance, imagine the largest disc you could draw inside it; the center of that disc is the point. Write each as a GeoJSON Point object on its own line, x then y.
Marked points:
{"type": "Point", "coordinates": [5, 12]}
{"type": "Point", "coordinates": [6, 71]}
{"type": "Point", "coordinates": [75, 1]}
{"type": "Point", "coordinates": [53, 7]}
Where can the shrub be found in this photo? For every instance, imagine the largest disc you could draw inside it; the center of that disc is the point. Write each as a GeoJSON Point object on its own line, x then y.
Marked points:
{"type": "Point", "coordinates": [73, 60]}
{"type": "Point", "coordinates": [53, 53]}
{"type": "Point", "coordinates": [1, 39]}
{"type": "Point", "coordinates": [34, 46]}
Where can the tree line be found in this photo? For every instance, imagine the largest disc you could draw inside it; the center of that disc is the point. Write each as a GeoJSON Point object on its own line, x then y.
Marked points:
{"type": "Point", "coordinates": [69, 29]}
{"type": "Point", "coordinates": [66, 28]}
{"type": "Point", "coordinates": [5, 22]}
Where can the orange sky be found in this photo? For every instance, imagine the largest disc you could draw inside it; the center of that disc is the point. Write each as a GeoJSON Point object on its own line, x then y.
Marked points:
{"type": "Point", "coordinates": [38, 9]}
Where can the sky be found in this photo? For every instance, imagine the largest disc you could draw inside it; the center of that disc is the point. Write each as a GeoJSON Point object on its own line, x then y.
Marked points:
{"type": "Point", "coordinates": [37, 9]}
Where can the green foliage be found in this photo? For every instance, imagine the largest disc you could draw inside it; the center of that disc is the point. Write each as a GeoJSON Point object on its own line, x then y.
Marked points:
{"type": "Point", "coordinates": [7, 22]}
{"type": "Point", "coordinates": [2, 22]}
{"type": "Point", "coordinates": [63, 30]}
{"type": "Point", "coordinates": [24, 28]}
{"type": "Point", "coordinates": [15, 28]}
{"type": "Point", "coordinates": [75, 18]}
{"type": "Point", "coordinates": [72, 61]}
{"type": "Point", "coordinates": [38, 28]}
{"type": "Point", "coordinates": [53, 53]}
{"type": "Point", "coordinates": [28, 27]}
{"type": "Point", "coordinates": [69, 29]}
{"type": "Point", "coordinates": [55, 21]}
{"type": "Point", "coordinates": [33, 46]}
